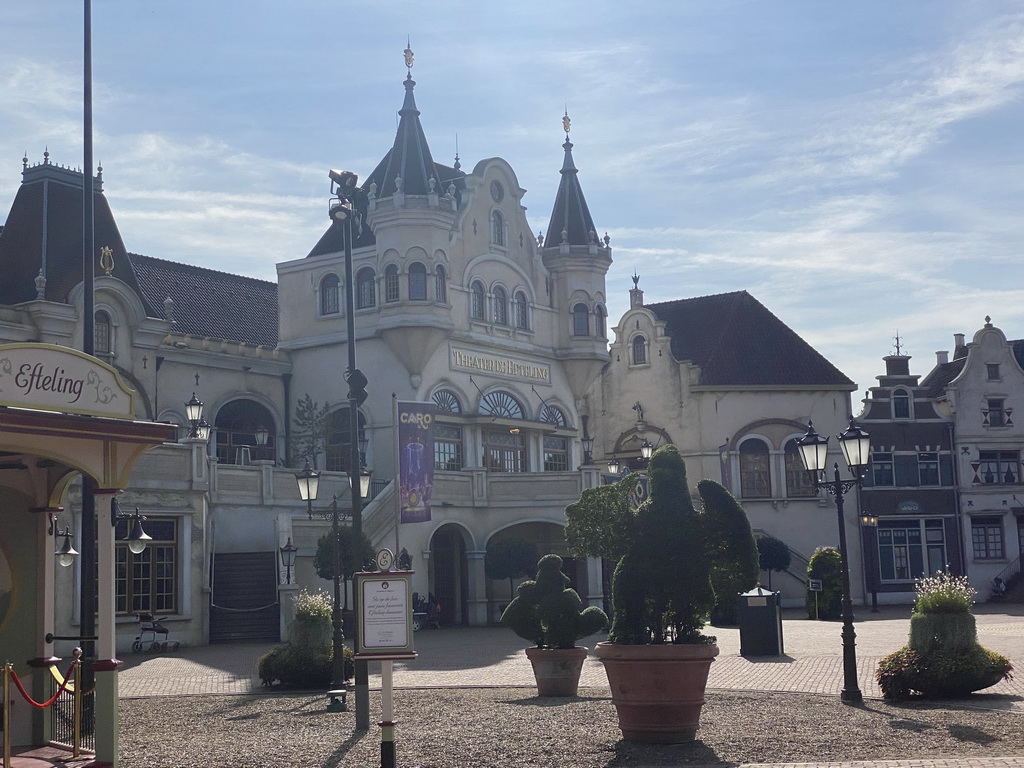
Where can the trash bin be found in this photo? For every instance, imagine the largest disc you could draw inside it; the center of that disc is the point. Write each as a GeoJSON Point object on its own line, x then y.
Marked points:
{"type": "Point", "coordinates": [760, 617]}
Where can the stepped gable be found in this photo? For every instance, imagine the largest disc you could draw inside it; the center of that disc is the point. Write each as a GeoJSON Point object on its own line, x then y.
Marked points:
{"type": "Point", "coordinates": [44, 232]}
{"type": "Point", "coordinates": [212, 304]}
{"type": "Point", "coordinates": [737, 341]}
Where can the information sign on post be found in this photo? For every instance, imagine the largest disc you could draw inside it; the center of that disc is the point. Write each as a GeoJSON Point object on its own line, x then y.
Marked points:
{"type": "Point", "coordinates": [385, 624]}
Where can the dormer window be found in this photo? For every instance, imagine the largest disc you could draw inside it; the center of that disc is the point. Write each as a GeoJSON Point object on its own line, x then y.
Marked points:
{"type": "Point", "coordinates": [901, 404]}
{"type": "Point", "coordinates": [992, 370]}
{"type": "Point", "coordinates": [102, 333]}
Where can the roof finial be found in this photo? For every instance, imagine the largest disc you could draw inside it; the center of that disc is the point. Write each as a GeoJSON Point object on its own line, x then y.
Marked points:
{"type": "Point", "coordinates": [457, 165]}
{"type": "Point", "coordinates": [896, 338]}
{"type": "Point", "coordinates": [408, 55]}
{"type": "Point", "coordinates": [566, 122]}
{"type": "Point", "coordinates": [636, 279]}
{"type": "Point", "coordinates": [988, 321]}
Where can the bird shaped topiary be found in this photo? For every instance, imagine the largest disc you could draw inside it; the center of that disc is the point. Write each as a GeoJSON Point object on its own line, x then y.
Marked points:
{"type": "Point", "coordinates": [548, 613]}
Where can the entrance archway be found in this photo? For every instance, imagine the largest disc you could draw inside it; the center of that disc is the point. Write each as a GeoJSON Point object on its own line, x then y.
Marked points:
{"type": "Point", "coordinates": [449, 574]}
{"type": "Point", "coordinates": [548, 538]}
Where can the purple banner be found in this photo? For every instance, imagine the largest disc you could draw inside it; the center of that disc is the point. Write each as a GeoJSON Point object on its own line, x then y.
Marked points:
{"type": "Point", "coordinates": [415, 460]}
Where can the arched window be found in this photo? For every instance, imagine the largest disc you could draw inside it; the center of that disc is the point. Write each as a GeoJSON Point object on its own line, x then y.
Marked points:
{"type": "Point", "coordinates": [500, 306]}
{"type": "Point", "coordinates": [522, 311]}
{"type": "Point", "coordinates": [501, 404]}
{"type": "Point", "coordinates": [797, 481]}
{"type": "Point", "coordinates": [755, 470]}
{"type": "Point", "coordinates": [639, 349]}
{"type": "Point", "coordinates": [553, 415]}
{"type": "Point", "coordinates": [901, 404]}
{"type": "Point", "coordinates": [497, 228]}
{"type": "Point", "coordinates": [417, 282]}
{"type": "Point", "coordinates": [237, 424]}
{"type": "Point", "coordinates": [366, 288]}
{"type": "Point", "coordinates": [477, 300]}
{"type": "Point", "coordinates": [329, 295]}
{"type": "Point", "coordinates": [446, 401]}
{"type": "Point", "coordinates": [339, 441]}
{"type": "Point", "coordinates": [440, 285]}
{"type": "Point", "coordinates": [580, 320]}
{"type": "Point", "coordinates": [102, 333]}
{"type": "Point", "coordinates": [391, 283]}
{"type": "Point", "coordinates": [599, 322]}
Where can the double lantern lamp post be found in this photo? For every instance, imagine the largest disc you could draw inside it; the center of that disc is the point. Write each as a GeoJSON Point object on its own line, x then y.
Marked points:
{"type": "Point", "coordinates": [856, 449]}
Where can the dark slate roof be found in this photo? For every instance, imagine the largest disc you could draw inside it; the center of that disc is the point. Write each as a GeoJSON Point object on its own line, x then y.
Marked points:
{"type": "Point", "coordinates": [570, 213]}
{"type": "Point", "coordinates": [44, 230]}
{"type": "Point", "coordinates": [410, 158]}
{"type": "Point", "coordinates": [736, 341]}
{"type": "Point", "coordinates": [211, 303]}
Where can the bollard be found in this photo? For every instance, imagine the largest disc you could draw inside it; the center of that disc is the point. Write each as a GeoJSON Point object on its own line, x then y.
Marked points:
{"type": "Point", "coordinates": [387, 725]}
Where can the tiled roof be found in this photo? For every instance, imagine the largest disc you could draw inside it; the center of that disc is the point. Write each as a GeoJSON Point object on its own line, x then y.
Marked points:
{"type": "Point", "coordinates": [941, 375]}
{"type": "Point", "coordinates": [211, 303]}
{"type": "Point", "coordinates": [736, 341]}
{"type": "Point", "coordinates": [570, 213]}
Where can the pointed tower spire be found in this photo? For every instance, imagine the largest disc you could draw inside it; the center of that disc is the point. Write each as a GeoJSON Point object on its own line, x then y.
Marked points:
{"type": "Point", "coordinates": [408, 167]}
{"type": "Point", "coordinates": [571, 222]}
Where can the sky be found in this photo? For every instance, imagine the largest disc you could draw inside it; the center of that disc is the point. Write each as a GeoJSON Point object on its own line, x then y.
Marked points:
{"type": "Point", "coordinates": [857, 167]}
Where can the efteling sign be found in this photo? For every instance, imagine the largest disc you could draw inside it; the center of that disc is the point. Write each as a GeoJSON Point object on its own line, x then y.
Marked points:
{"type": "Point", "coordinates": [48, 377]}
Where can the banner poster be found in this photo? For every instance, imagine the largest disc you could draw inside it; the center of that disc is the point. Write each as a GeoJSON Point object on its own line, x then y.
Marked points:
{"type": "Point", "coordinates": [415, 460]}
{"type": "Point", "coordinates": [723, 462]}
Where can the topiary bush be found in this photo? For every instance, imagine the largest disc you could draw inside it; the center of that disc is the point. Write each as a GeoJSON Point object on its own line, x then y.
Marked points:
{"type": "Point", "coordinates": [826, 564]}
{"type": "Point", "coordinates": [731, 548]}
{"type": "Point", "coordinates": [773, 555]}
{"type": "Point", "coordinates": [942, 656]}
{"type": "Point", "coordinates": [306, 660]}
{"type": "Point", "coordinates": [548, 613]}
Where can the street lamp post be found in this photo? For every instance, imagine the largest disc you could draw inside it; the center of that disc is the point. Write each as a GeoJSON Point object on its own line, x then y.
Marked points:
{"type": "Point", "coordinates": [813, 451]}
{"type": "Point", "coordinates": [309, 484]}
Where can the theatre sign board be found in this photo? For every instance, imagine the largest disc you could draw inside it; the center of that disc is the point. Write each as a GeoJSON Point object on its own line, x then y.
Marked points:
{"type": "Point", "coordinates": [48, 377]}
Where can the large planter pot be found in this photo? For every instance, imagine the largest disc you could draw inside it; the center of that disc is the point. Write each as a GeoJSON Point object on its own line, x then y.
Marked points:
{"type": "Point", "coordinates": [557, 670]}
{"type": "Point", "coordinates": [658, 690]}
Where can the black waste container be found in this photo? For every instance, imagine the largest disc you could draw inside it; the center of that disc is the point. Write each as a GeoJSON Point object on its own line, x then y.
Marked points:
{"type": "Point", "coordinates": [760, 617]}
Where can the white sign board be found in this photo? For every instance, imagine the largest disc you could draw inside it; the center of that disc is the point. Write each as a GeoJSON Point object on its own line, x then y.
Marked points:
{"type": "Point", "coordinates": [385, 608]}
{"type": "Point", "coordinates": [48, 377]}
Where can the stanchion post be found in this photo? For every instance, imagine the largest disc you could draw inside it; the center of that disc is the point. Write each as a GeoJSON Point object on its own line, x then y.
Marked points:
{"type": "Point", "coordinates": [6, 709]}
{"type": "Point", "coordinates": [76, 717]}
{"type": "Point", "coordinates": [387, 724]}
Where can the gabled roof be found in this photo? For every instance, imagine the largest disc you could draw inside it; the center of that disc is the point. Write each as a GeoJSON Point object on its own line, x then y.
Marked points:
{"type": "Point", "coordinates": [942, 375]}
{"type": "Point", "coordinates": [211, 303]}
{"type": "Point", "coordinates": [736, 341]}
{"type": "Point", "coordinates": [570, 218]}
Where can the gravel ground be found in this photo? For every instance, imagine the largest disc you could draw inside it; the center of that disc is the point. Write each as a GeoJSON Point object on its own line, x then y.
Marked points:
{"type": "Point", "coordinates": [499, 727]}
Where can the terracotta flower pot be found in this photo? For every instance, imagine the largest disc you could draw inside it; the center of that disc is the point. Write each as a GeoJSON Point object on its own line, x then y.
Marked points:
{"type": "Point", "coordinates": [658, 690]}
{"type": "Point", "coordinates": [557, 670]}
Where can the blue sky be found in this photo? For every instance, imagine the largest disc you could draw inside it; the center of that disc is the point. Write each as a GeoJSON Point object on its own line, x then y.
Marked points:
{"type": "Point", "coordinates": [858, 167]}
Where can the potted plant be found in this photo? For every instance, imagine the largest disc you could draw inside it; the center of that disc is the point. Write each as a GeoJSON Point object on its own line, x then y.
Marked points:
{"type": "Point", "coordinates": [656, 657]}
{"type": "Point", "coordinates": [548, 613]}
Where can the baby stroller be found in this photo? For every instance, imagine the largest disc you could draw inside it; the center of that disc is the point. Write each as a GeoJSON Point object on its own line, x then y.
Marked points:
{"type": "Point", "coordinates": [425, 613]}
{"type": "Point", "coordinates": [154, 629]}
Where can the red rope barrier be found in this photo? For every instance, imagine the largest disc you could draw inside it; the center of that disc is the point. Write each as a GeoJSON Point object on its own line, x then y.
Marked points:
{"type": "Point", "coordinates": [44, 705]}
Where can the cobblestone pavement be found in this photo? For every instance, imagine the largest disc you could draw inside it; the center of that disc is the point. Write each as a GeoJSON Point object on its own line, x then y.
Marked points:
{"type": "Point", "coordinates": [493, 656]}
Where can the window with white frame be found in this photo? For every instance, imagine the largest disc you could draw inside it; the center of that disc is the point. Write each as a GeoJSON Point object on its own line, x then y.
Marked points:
{"type": "Point", "coordinates": [638, 350]}
{"type": "Point", "coordinates": [910, 549]}
{"type": "Point", "coordinates": [366, 288]}
{"type": "Point", "coordinates": [998, 468]}
{"type": "Point", "coordinates": [580, 320]}
{"type": "Point", "coordinates": [391, 291]}
{"type": "Point", "coordinates": [477, 301]}
{"type": "Point", "coordinates": [147, 582]}
{"type": "Point", "coordinates": [798, 480]}
{"type": "Point", "coordinates": [504, 451]}
{"type": "Point", "coordinates": [417, 282]}
{"type": "Point", "coordinates": [522, 311]}
{"type": "Point", "coordinates": [500, 306]}
{"type": "Point", "coordinates": [440, 285]}
{"type": "Point", "coordinates": [882, 469]}
{"type": "Point", "coordinates": [447, 447]}
{"type": "Point", "coordinates": [556, 454]}
{"type": "Point", "coordinates": [928, 468]}
{"type": "Point", "coordinates": [102, 333]}
{"type": "Point", "coordinates": [755, 469]}
{"type": "Point", "coordinates": [330, 292]}
{"type": "Point", "coordinates": [987, 538]}
{"type": "Point", "coordinates": [900, 404]}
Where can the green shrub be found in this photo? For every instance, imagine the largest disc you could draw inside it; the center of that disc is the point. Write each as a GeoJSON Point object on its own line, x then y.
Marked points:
{"type": "Point", "coordinates": [826, 564]}
{"type": "Point", "coordinates": [940, 673]}
{"type": "Point", "coordinates": [942, 632]}
{"type": "Point", "coordinates": [312, 628]}
{"type": "Point", "coordinates": [296, 667]}
{"type": "Point", "coordinates": [546, 612]}
{"type": "Point", "coordinates": [731, 549]}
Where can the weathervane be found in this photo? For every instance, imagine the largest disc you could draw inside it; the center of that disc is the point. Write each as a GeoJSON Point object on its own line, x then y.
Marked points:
{"type": "Point", "coordinates": [636, 279]}
{"type": "Point", "coordinates": [408, 55]}
{"type": "Point", "coordinates": [899, 347]}
{"type": "Point", "coordinates": [566, 122]}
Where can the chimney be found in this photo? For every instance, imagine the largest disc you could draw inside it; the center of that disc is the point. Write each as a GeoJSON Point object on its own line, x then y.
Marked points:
{"type": "Point", "coordinates": [942, 357]}
{"type": "Point", "coordinates": [958, 340]}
